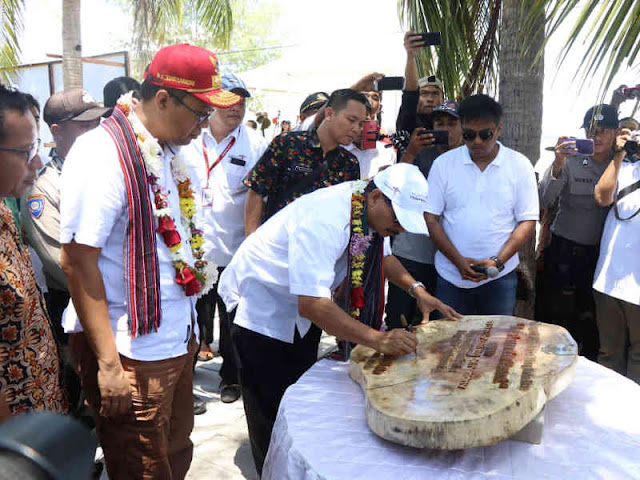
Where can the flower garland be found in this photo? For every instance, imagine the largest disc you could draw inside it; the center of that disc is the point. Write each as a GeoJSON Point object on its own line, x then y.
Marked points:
{"type": "Point", "coordinates": [199, 278]}
{"type": "Point", "coordinates": [358, 244]}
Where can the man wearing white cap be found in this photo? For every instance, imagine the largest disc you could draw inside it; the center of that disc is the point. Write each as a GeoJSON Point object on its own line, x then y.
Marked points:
{"type": "Point", "coordinates": [278, 287]}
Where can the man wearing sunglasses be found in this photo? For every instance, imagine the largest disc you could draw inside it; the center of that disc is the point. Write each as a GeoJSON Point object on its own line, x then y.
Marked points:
{"type": "Point", "coordinates": [482, 207]}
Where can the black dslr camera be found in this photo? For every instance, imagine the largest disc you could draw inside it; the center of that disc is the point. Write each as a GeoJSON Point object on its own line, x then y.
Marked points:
{"type": "Point", "coordinates": [631, 146]}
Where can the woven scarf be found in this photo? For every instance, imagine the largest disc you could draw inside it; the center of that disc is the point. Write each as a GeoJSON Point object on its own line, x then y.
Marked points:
{"type": "Point", "coordinates": [373, 284]}
{"type": "Point", "coordinates": [140, 255]}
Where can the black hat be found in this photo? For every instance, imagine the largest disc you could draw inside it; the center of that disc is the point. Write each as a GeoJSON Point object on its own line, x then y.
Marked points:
{"type": "Point", "coordinates": [449, 107]}
{"type": "Point", "coordinates": [603, 115]}
{"type": "Point", "coordinates": [315, 101]}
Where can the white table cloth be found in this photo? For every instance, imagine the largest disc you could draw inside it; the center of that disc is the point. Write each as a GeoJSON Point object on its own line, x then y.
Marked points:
{"type": "Point", "coordinates": [591, 431]}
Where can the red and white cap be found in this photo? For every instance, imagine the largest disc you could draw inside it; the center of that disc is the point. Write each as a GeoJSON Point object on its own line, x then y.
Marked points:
{"type": "Point", "coordinates": [191, 69]}
{"type": "Point", "coordinates": [405, 185]}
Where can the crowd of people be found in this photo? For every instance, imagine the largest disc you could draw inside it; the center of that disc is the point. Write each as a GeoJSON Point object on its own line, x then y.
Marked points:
{"type": "Point", "coordinates": [161, 207]}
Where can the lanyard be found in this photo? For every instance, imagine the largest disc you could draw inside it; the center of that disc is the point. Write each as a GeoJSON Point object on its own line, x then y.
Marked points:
{"type": "Point", "coordinates": [222, 155]}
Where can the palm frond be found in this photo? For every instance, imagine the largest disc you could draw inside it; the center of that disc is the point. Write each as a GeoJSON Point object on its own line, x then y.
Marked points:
{"type": "Point", "coordinates": [12, 24]}
{"type": "Point", "coordinates": [216, 18]}
{"type": "Point", "coordinates": [151, 20]}
{"type": "Point", "coordinates": [612, 32]}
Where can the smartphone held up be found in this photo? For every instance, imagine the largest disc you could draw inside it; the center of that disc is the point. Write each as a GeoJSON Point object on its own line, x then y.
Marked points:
{"type": "Point", "coordinates": [389, 83]}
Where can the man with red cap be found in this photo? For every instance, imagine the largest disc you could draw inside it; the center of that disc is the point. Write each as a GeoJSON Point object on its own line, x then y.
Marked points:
{"type": "Point", "coordinates": [135, 265]}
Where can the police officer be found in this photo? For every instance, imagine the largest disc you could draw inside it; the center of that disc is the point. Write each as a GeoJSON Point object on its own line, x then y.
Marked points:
{"type": "Point", "coordinates": [571, 256]}
{"type": "Point", "coordinates": [69, 114]}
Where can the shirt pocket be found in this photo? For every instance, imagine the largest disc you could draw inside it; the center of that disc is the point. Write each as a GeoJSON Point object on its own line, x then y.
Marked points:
{"type": "Point", "coordinates": [581, 186]}
{"type": "Point", "coordinates": [581, 190]}
{"type": "Point", "coordinates": [235, 176]}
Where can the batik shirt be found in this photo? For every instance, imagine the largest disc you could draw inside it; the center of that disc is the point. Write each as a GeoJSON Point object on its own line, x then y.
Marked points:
{"type": "Point", "coordinates": [289, 159]}
{"type": "Point", "coordinates": [29, 364]}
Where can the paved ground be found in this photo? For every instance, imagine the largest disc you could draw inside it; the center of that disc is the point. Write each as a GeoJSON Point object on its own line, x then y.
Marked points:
{"type": "Point", "coordinates": [220, 436]}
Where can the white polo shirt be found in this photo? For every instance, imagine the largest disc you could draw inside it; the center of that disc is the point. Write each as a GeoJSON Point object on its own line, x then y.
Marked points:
{"type": "Point", "coordinates": [372, 160]}
{"type": "Point", "coordinates": [301, 250]}
{"type": "Point", "coordinates": [479, 210]}
{"type": "Point", "coordinates": [222, 218]}
{"type": "Point", "coordinates": [618, 269]}
{"type": "Point", "coordinates": [94, 212]}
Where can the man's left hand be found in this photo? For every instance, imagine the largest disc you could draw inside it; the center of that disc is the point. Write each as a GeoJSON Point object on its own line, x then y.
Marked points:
{"type": "Point", "coordinates": [428, 303]}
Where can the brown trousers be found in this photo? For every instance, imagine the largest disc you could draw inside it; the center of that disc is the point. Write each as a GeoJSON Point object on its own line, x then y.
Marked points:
{"type": "Point", "coordinates": [152, 441]}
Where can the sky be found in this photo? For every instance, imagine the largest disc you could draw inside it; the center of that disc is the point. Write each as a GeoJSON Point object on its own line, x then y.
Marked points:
{"type": "Point", "coordinates": [332, 43]}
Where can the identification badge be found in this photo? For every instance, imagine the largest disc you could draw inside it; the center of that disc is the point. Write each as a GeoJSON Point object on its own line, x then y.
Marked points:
{"type": "Point", "coordinates": [238, 161]}
{"type": "Point", "coordinates": [207, 197]}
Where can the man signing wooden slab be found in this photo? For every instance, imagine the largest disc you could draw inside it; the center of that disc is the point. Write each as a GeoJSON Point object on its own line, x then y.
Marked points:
{"type": "Point", "coordinates": [278, 286]}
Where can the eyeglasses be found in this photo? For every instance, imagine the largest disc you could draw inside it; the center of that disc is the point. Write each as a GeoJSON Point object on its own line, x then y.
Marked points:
{"type": "Point", "coordinates": [202, 117]}
{"type": "Point", "coordinates": [30, 153]}
{"type": "Point", "coordinates": [470, 135]}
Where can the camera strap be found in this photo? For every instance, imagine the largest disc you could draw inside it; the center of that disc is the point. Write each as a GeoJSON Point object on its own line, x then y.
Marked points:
{"type": "Point", "coordinates": [623, 193]}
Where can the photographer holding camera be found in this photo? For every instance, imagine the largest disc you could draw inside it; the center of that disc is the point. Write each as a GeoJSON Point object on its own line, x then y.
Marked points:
{"type": "Point", "coordinates": [617, 277]}
{"type": "Point", "coordinates": [417, 252]}
{"type": "Point", "coordinates": [566, 297]}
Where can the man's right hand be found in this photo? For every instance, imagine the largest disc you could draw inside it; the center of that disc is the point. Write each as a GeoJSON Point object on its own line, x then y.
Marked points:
{"type": "Point", "coordinates": [621, 139]}
{"type": "Point", "coordinates": [466, 272]}
{"type": "Point", "coordinates": [419, 141]}
{"type": "Point", "coordinates": [115, 391]}
{"type": "Point", "coordinates": [397, 342]}
{"type": "Point", "coordinates": [366, 83]}
{"type": "Point", "coordinates": [412, 43]}
{"type": "Point", "coordinates": [565, 147]}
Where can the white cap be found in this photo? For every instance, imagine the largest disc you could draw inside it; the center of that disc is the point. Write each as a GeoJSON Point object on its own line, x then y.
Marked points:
{"type": "Point", "coordinates": [405, 185]}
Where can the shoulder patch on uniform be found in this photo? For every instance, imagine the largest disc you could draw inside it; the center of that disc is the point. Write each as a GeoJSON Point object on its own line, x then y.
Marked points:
{"type": "Point", "coordinates": [35, 204]}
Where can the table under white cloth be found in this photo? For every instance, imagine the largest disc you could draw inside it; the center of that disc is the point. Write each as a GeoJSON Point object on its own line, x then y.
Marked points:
{"type": "Point", "coordinates": [591, 431]}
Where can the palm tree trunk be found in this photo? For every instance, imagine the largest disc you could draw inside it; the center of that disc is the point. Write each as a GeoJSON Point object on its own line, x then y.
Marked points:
{"type": "Point", "coordinates": [71, 44]}
{"type": "Point", "coordinates": [520, 89]}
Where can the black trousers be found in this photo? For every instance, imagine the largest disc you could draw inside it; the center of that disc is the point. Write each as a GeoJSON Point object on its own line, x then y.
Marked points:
{"type": "Point", "coordinates": [57, 301]}
{"type": "Point", "coordinates": [399, 302]}
{"type": "Point", "coordinates": [206, 308]}
{"type": "Point", "coordinates": [267, 367]}
{"type": "Point", "coordinates": [566, 296]}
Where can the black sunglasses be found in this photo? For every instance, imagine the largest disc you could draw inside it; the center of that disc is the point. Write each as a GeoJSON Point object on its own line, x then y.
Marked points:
{"type": "Point", "coordinates": [470, 135]}
{"type": "Point", "coordinates": [29, 153]}
{"type": "Point", "coordinates": [202, 117]}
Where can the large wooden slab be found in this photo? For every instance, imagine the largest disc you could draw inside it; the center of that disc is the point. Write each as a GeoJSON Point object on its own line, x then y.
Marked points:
{"type": "Point", "coordinates": [472, 383]}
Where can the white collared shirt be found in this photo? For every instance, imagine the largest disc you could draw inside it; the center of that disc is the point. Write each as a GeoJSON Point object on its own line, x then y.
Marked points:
{"type": "Point", "coordinates": [94, 212]}
{"type": "Point", "coordinates": [301, 250]}
{"type": "Point", "coordinates": [372, 160]}
{"type": "Point", "coordinates": [223, 219]}
{"type": "Point", "coordinates": [618, 269]}
{"type": "Point", "coordinates": [479, 210]}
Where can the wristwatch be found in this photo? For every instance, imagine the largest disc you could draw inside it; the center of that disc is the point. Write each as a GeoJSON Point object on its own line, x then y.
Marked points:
{"type": "Point", "coordinates": [413, 287]}
{"type": "Point", "coordinates": [499, 264]}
